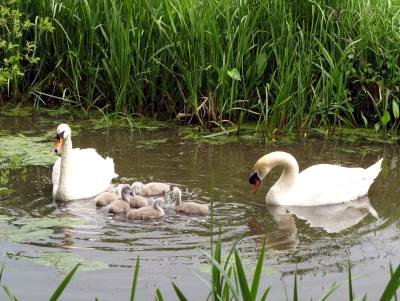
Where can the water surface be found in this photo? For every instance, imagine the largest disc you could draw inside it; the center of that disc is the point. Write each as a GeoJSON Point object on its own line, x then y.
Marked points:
{"type": "Point", "coordinates": [319, 241]}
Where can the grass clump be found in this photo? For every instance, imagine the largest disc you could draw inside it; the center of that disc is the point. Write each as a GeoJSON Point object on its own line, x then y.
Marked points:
{"type": "Point", "coordinates": [289, 66]}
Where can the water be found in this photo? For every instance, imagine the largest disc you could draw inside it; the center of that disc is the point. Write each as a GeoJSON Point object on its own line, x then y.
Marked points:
{"type": "Point", "coordinates": [319, 242]}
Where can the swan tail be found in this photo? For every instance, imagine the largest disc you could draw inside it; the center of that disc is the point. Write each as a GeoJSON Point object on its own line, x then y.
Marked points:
{"type": "Point", "coordinates": [374, 170]}
{"type": "Point", "coordinates": [110, 163]}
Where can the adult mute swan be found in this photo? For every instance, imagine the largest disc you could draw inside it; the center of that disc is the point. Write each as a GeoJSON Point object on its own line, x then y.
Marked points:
{"type": "Point", "coordinates": [79, 173]}
{"type": "Point", "coordinates": [319, 184]}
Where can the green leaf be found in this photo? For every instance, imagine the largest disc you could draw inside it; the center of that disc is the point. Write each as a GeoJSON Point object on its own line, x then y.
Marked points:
{"type": "Point", "coordinates": [330, 290]}
{"type": "Point", "coordinates": [351, 294]}
{"type": "Point", "coordinates": [1, 272]}
{"type": "Point", "coordinates": [265, 295]}
{"type": "Point", "coordinates": [179, 293]}
{"type": "Point", "coordinates": [234, 74]}
{"type": "Point", "coordinates": [226, 277]}
{"type": "Point", "coordinates": [261, 62]}
{"type": "Point", "coordinates": [385, 118]}
{"type": "Point", "coordinates": [392, 286]}
{"type": "Point", "coordinates": [395, 109]}
{"type": "Point", "coordinates": [159, 296]}
{"type": "Point", "coordinates": [246, 294]}
{"type": "Point", "coordinates": [135, 279]}
{"type": "Point", "coordinates": [216, 275]}
{"type": "Point", "coordinates": [57, 293]}
{"type": "Point", "coordinates": [364, 120]}
{"type": "Point", "coordinates": [295, 295]}
{"type": "Point", "coordinates": [257, 272]}
{"type": "Point", "coordinates": [9, 294]}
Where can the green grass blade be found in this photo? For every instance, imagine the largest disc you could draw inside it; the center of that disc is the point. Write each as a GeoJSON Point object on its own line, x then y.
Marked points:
{"type": "Point", "coordinates": [392, 286]}
{"type": "Point", "coordinates": [159, 296]}
{"type": "Point", "coordinates": [351, 294]}
{"type": "Point", "coordinates": [9, 294]}
{"type": "Point", "coordinates": [391, 275]}
{"type": "Point", "coordinates": [295, 294]}
{"type": "Point", "coordinates": [265, 295]}
{"type": "Point", "coordinates": [179, 293]}
{"type": "Point", "coordinates": [244, 287]}
{"type": "Point", "coordinates": [135, 279]}
{"type": "Point", "coordinates": [226, 277]}
{"type": "Point", "coordinates": [330, 291]}
{"type": "Point", "coordinates": [63, 284]}
{"type": "Point", "coordinates": [1, 272]}
{"type": "Point", "coordinates": [216, 275]}
{"type": "Point", "coordinates": [257, 273]}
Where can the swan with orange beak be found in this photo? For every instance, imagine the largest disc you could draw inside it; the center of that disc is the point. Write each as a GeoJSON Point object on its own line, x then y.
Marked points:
{"type": "Point", "coordinates": [79, 173]}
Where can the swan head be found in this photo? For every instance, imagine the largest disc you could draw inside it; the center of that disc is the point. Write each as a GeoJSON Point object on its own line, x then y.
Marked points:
{"type": "Point", "coordinates": [158, 202]}
{"type": "Point", "coordinates": [267, 162]}
{"type": "Point", "coordinates": [63, 132]}
{"type": "Point", "coordinates": [260, 170]}
{"type": "Point", "coordinates": [177, 194]}
{"type": "Point", "coordinates": [136, 188]}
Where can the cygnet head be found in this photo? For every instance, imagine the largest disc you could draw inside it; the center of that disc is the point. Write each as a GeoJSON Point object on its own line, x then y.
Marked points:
{"type": "Point", "coordinates": [125, 191]}
{"type": "Point", "coordinates": [63, 132]}
{"type": "Point", "coordinates": [177, 194]}
{"type": "Point", "coordinates": [136, 187]}
{"type": "Point", "coordinates": [158, 202]}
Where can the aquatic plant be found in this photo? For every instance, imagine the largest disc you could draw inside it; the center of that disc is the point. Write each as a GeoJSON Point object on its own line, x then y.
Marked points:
{"type": "Point", "coordinates": [290, 66]}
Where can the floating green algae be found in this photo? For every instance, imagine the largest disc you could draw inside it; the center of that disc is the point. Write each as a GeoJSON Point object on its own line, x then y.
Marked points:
{"type": "Point", "coordinates": [22, 150]}
{"type": "Point", "coordinates": [33, 229]}
{"type": "Point", "coordinates": [64, 261]}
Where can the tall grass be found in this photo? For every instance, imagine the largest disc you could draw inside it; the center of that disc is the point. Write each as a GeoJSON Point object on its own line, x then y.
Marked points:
{"type": "Point", "coordinates": [291, 65]}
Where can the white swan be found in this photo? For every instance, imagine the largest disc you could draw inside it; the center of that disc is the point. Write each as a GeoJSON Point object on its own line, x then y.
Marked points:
{"type": "Point", "coordinates": [319, 184]}
{"type": "Point", "coordinates": [79, 173]}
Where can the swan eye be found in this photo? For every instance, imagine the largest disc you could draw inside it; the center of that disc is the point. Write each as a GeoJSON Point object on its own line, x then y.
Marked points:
{"type": "Point", "coordinates": [60, 136]}
{"type": "Point", "coordinates": [254, 178]}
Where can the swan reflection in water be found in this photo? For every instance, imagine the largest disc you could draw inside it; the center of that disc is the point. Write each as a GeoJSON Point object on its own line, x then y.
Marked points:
{"type": "Point", "coordinates": [331, 218]}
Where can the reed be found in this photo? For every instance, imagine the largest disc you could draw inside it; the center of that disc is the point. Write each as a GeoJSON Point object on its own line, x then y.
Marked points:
{"type": "Point", "coordinates": [289, 65]}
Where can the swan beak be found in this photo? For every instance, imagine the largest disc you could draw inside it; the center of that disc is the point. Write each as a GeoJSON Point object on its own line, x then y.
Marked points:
{"type": "Point", "coordinates": [255, 185]}
{"type": "Point", "coordinates": [58, 146]}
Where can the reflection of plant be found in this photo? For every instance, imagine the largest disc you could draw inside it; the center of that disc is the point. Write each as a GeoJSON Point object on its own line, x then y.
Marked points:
{"type": "Point", "coordinates": [13, 52]}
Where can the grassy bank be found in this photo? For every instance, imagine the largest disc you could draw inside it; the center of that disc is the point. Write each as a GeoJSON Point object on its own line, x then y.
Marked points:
{"type": "Point", "coordinates": [290, 65]}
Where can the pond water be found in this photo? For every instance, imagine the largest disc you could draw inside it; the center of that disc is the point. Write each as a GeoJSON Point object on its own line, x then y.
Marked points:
{"type": "Point", "coordinates": [41, 240]}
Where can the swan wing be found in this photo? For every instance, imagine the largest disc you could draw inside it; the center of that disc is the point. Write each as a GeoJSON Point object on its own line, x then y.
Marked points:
{"type": "Point", "coordinates": [88, 173]}
{"type": "Point", "coordinates": [328, 184]}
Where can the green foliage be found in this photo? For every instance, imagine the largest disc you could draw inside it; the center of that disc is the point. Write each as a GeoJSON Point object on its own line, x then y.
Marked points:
{"type": "Point", "coordinates": [290, 66]}
{"type": "Point", "coordinates": [18, 54]}
{"type": "Point", "coordinates": [57, 293]}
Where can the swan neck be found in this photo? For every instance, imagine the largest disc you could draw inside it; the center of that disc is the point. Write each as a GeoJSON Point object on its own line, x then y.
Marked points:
{"type": "Point", "coordinates": [284, 160]}
{"type": "Point", "coordinates": [178, 200]}
{"type": "Point", "coordinates": [289, 173]}
{"type": "Point", "coordinates": [65, 163]}
{"type": "Point", "coordinates": [158, 208]}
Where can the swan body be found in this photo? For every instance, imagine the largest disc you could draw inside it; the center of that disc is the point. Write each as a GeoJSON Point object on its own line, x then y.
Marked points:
{"type": "Point", "coordinates": [138, 201]}
{"type": "Point", "coordinates": [190, 208]}
{"type": "Point", "coordinates": [105, 198]}
{"type": "Point", "coordinates": [150, 189]}
{"type": "Point", "coordinates": [79, 173]}
{"type": "Point", "coordinates": [147, 213]}
{"type": "Point", "coordinates": [319, 184]}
